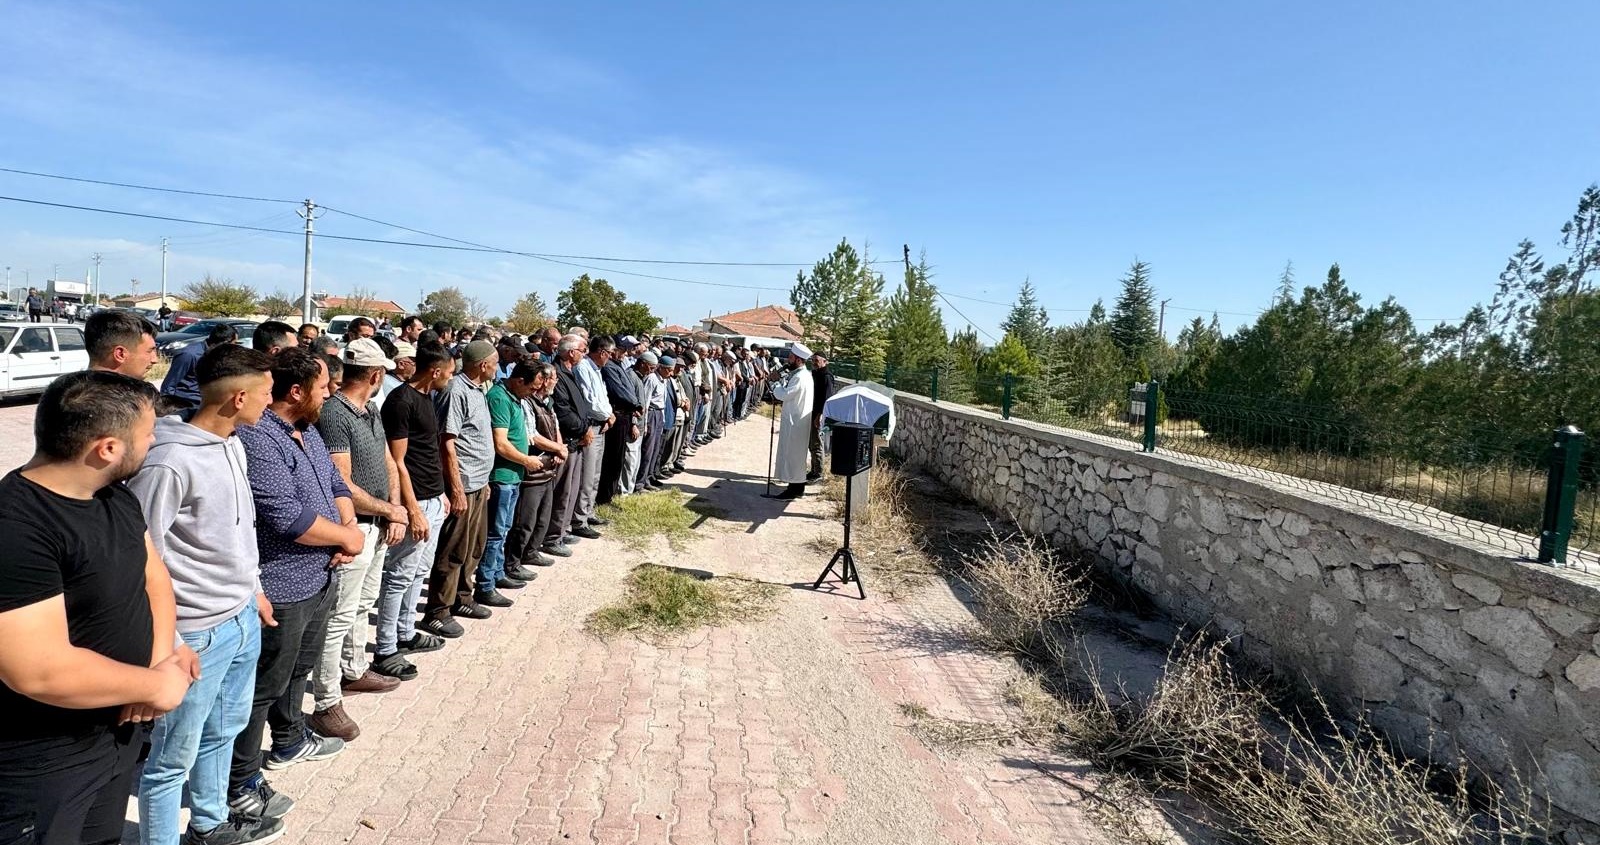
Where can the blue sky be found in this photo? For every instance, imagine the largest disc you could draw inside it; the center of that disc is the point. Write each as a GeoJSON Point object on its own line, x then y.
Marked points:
{"type": "Point", "coordinates": [1415, 143]}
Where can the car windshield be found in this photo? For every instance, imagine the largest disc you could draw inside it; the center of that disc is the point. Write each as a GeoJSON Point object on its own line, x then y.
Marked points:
{"type": "Point", "coordinates": [201, 327]}
{"type": "Point", "coordinates": [338, 327]}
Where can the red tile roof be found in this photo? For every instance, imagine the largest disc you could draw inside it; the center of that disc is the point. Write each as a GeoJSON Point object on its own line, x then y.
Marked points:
{"type": "Point", "coordinates": [387, 306]}
{"type": "Point", "coordinates": [767, 321]}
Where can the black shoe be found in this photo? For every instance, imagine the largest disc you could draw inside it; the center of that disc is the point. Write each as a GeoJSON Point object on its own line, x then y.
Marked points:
{"type": "Point", "coordinates": [471, 611]}
{"type": "Point", "coordinates": [239, 829]}
{"type": "Point", "coordinates": [518, 572]}
{"type": "Point", "coordinates": [509, 583]}
{"type": "Point", "coordinates": [679, 467]}
{"type": "Point", "coordinates": [492, 598]}
{"type": "Point", "coordinates": [395, 666]}
{"type": "Point", "coordinates": [447, 628]}
{"type": "Point", "coordinates": [557, 550]}
{"type": "Point", "coordinates": [793, 491]}
{"type": "Point", "coordinates": [586, 533]}
{"type": "Point", "coordinates": [542, 560]}
{"type": "Point", "coordinates": [599, 521]}
{"type": "Point", "coordinates": [420, 643]}
{"type": "Point", "coordinates": [813, 478]}
{"type": "Point", "coordinates": [257, 799]}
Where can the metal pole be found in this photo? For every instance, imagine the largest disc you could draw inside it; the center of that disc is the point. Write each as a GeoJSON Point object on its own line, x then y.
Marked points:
{"type": "Point", "coordinates": [163, 272]}
{"type": "Point", "coordinates": [94, 287]}
{"type": "Point", "coordinates": [1152, 399]}
{"type": "Point", "coordinates": [1005, 399]}
{"type": "Point", "coordinates": [1561, 495]}
{"type": "Point", "coordinates": [309, 213]}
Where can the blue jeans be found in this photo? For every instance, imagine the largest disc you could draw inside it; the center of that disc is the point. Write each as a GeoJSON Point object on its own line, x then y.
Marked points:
{"type": "Point", "coordinates": [502, 510]}
{"type": "Point", "coordinates": [194, 743]}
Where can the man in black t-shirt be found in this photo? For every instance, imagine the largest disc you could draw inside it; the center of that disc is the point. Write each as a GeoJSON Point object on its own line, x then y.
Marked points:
{"type": "Point", "coordinates": [412, 427]}
{"type": "Point", "coordinates": [87, 619]}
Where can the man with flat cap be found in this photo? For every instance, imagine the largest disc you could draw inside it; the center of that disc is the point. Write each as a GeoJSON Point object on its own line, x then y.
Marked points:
{"type": "Point", "coordinates": [793, 389]}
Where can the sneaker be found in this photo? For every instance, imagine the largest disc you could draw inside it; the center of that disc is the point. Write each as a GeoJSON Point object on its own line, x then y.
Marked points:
{"type": "Point", "coordinates": [237, 830]}
{"type": "Point", "coordinates": [509, 583]}
{"type": "Point", "coordinates": [557, 550]}
{"type": "Point", "coordinates": [493, 598]}
{"type": "Point", "coordinates": [599, 521]}
{"type": "Point", "coordinates": [420, 643]}
{"type": "Point", "coordinates": [471, 611]}
{"type": "Point", "coordinates": [369, 681]}
{"type": "Point", "coordinates": [335, 722]}
{"type": "Point", "coordinates": [586, 533]}
{"type": "Point", "coordinates": [395, 666]}
{"type": "Point", "coordinates": [447, 628]}
{"type": "Point", "coordinates": [312, 747]}
{"type": "Point", "coordinates": [258, 800]}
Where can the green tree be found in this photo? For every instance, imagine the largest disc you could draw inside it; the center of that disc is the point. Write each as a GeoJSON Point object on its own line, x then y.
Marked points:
{"type": "Point", "coordinates": [840, 303]}
{"type": "Point", "coordinates": [1133, 320]}
{"type": "Point", "coordinates": [1197, 348]}
{"type": "Point", "coordinates": [602, 309]}
{"type": "Point", "coordinates": [1028, 321]}
{"type": "Point", "coordinates": [447, 305]}
{"type": "Point", "coordinates": [277, 306]}
{"type": "Point", "coordinates": [1009, 357]}
{"type": "Point", "coordinates": [220, 297]}
{"type": "Point", "coordinates": [915, 326]}
{"type": "Point", "coordinates": [528, 314]}
{"type": "Point", "coordinates": [361, 302]}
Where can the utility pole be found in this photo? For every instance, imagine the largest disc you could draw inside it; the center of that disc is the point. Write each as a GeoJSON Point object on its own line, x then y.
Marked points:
{"type": "Point", "coordinates": [905, 250]}
{"type": "Point", "coordinates": [163, 271]}
{"type": "Point", "coordinates": [1161, 324]}
{"type": "Point", "coordinates": [94, 286]}
{"type": "Point", "coordinates": [309, 213]}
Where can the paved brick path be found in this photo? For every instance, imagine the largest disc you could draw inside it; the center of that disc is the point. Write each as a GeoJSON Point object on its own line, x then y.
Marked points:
{"type": "Point", "coordinates": [528, 730]}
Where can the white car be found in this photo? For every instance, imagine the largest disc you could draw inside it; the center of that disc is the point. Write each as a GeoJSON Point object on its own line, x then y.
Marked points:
{"type": "Point", "coordinates": [33, 354]}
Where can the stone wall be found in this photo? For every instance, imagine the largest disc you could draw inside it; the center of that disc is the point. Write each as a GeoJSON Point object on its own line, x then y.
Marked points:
{"type": "Point", "coordinates": [1437, 639]}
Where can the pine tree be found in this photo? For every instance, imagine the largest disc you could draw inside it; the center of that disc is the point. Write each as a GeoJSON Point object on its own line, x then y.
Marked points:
{"type": "Point", "coordinates": [914, 326]}
{"type": "Point", "coordinates": [841, 305]}
{"type": "Point", "coordinates": [1133, 321]}
{"type": "Point", "coordinates": [1028, 322]}
{"type": "Point", "coordinates": [1285, 283]}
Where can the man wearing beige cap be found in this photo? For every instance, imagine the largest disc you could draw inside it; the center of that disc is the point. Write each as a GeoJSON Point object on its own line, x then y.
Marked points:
{"type": "Point", "coordinates": [405, 366]}
{"type": "Point", "coordinates": [466, 435]}
{"type": "Point", "coordinates": [353, 430]}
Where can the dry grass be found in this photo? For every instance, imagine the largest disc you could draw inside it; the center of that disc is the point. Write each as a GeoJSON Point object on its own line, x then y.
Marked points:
{"type": "Point", "coordinates": [1024, 595]}
{"type": "Point", "coordinates": [660, 601]}
{"type": "Point", "coordinates": [637, 518]}
{"type": "Point", "coordinates": [886, 539]}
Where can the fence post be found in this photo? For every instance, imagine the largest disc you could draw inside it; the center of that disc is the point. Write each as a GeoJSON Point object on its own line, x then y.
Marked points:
{"type": "Point", "coordinates": [1560, 495]}
{"type": "Point", "coordinates": [888, 375]}
{"type": "Point", "coordinates": [933, 386]}
{"type": "Point", "coordinates": [1005, 398]}
{"type": "Point", "coordinates": [1152, 400]}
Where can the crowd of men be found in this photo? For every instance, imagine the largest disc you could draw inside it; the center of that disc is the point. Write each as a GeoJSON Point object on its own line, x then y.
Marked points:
{"type": "Point", "coordinates": [185, 563]}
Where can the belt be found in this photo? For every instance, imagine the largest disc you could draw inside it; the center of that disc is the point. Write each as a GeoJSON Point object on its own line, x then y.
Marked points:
{"type": "Point", "coordinates": [364, 519]}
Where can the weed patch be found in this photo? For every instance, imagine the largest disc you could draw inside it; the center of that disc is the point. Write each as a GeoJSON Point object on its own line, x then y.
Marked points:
{"type": "Point", "coordinates": [637, 518]}
{"type": "Point", "coordinates": [660, 601]}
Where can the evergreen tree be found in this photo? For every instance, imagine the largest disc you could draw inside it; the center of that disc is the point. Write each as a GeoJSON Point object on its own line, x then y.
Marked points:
{"type": "Point", "coordinates": [1133, 321]}
{"type": "Point", "coordinates": [1285, 283]}
{"type": "Point", "coordinates": [914, 326]}
{"type": "Point", "coordinates": [602, 309]}
{"type": "Point", "coordinates": [841, 306]}
{"type": "Point", "coordinates": [1028, 322]}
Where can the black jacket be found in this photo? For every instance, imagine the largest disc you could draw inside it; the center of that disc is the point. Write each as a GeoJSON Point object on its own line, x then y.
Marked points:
{"type": "Point", "coordinates": [822, 387]}
{"type": "Point", "coordinates": [571, 407]}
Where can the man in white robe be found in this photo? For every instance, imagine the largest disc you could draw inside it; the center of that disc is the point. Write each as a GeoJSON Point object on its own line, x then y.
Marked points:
{"type": "Point", "coordinates": [793, 389]}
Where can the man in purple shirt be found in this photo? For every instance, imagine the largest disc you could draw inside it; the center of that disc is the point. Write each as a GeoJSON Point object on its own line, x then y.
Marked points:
{"type": "Point", "coordinates": [305, 526]}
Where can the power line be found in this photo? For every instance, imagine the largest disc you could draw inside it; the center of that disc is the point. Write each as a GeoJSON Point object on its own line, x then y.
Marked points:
{"type": "Point", "coordinates": [452, 247]}
{"type": "Point", "coordinates": [969, 320]}
{"type": "Point", "coordinates": [143, 187]}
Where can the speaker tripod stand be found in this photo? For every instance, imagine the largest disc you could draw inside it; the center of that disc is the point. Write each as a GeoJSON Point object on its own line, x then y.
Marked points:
{"type": "Point", "coordinates": [844, 559]}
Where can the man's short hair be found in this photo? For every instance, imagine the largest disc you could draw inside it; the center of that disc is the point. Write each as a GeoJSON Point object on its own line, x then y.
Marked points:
{"type": "Point", "coordinates": [579, 331]}
{"type": "Point", "coordinates": [272, 333]}
{"type": "Point", "coordinates": [387, 345]}
{"type": "Point", "coordinates": [408, 321]}
{"type": "Point", "coordinates": [601, 344]}
{"type": "Point", "coordinates": [228, 361]}
{"type": "Point", "coordinates": [106, 330]}
{"type": "Point", "coordinates": [440, 328]}
{"type": "Point", "coordinates": [527, 371]}
{"type": "Point", "coordinates": [548, 330]}
{"type": "Point", "coordinates": [312, 326]}
{"type": "Point", "coordinates": [358, 323]}
{"type": "Point", "coordinates": [295, 367]}
{"type": "Point", "coordinates": [430, 355]}
{"type": "Point", "coordinates": [221, 333]}
{"type": "Point", "coordinates": [569, 343]}
{"type": "Point", "coordinates": [427, 336]}
{"type": "Point", "coordinates": [335, 368]}
{"type": "Point", "coordinates": [79, 408]}
{"type": "Point", "coordinates": [325, 345]}
{"type": "Point", "coordinates": [355, 373]}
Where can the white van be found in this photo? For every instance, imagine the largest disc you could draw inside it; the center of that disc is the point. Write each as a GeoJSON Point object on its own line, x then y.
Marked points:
{"type": "Point", "coordinates": [33, 354]}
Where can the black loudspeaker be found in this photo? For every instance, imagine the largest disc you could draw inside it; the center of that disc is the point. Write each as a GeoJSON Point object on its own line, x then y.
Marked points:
{"type": "Point", "coordinates": [851, 444]}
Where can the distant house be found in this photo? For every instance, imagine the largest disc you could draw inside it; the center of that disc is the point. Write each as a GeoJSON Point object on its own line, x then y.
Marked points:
{"type": "Point", "coordinates": [676, 330]}
{"type": "Point", "coordinates": [325, 307]}
{"type": "Point", "coordinates": [769, 321]}
{"type": "Point", "coordinates": [151, 301]}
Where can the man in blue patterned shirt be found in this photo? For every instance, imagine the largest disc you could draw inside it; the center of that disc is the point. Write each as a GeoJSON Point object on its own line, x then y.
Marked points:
{"type": "Point", "coordinates": [305, 526]}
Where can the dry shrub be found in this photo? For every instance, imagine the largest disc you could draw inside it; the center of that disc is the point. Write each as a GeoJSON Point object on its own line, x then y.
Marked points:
{"type": "Point", "coordinates": [888, 545]}
{"type": "Point", "coordinates": [1024, 596]}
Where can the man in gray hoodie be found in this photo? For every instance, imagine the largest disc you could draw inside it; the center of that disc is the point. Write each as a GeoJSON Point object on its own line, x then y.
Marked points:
{"type": "Point", "coordinates": [198, 506]}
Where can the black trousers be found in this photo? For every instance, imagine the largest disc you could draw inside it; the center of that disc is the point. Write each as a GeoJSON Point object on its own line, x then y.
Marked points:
{"type": "Point", "coordinates": [73, 792]}
{"type": "Point", "coordinates": [288, 654]}
{"type": "Point", "coordinates": [611, 459]}
{"type": "Point", "coordinates": [535, 502]}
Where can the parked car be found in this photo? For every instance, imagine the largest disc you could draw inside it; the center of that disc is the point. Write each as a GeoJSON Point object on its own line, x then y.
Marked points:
{"type": "Point", "coordinates": [12, 311]}
{"type": "Point", "coordinates": [33, 354]}
{"type": "Point", "coordinates": [341, 324]}
{"type": "Point", "coordinates": [171, 343]}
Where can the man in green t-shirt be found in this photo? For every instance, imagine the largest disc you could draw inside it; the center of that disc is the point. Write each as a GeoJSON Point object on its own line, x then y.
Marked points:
{"type": "Point", "coordinates": [511, 463]}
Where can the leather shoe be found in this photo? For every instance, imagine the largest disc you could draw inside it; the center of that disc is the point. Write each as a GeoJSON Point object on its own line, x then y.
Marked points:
{"type": "Point", "coordinates": [493, 598]}
{"type": "Point", "coordinates": [369, 681]}
{"type": "Point", "coordinates": [586, 533]}
{"type": "Point", "coordinates": [557, 550]}
{"type": "Point", "coordinates": [509, 583]}
{"type": "Point", "coordinates": [335, 722]}
{"type": "Point", "coordinates": [599, 520]}
{"type": "Point", "coordinates": [542, 560]}
{"type": "Point", "coordinates": [518, 572]}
